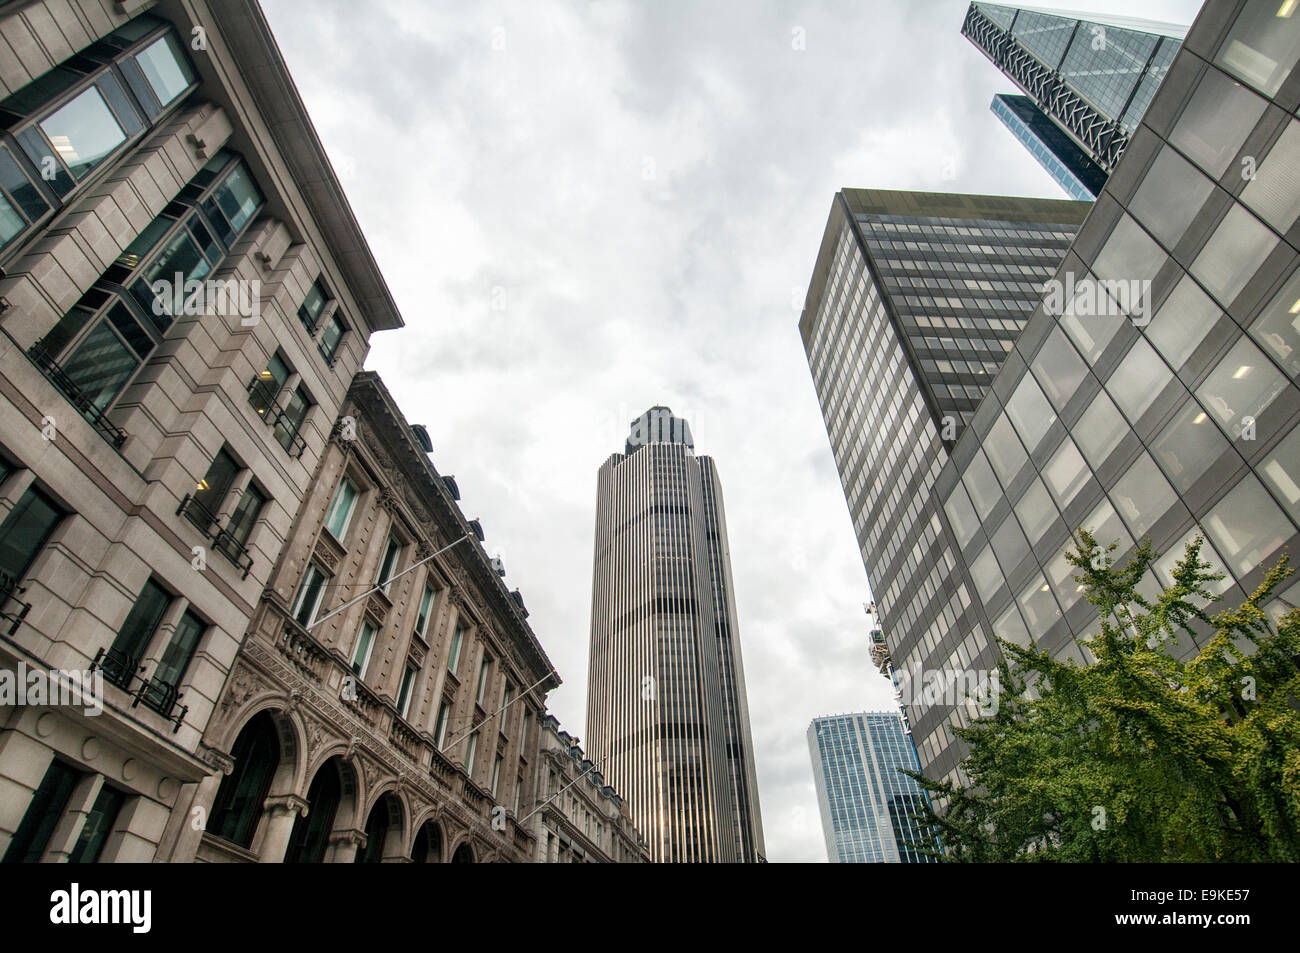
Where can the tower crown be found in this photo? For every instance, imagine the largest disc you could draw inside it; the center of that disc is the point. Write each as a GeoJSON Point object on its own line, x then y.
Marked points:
{"type": "Point", "coordinates": [658, 425]}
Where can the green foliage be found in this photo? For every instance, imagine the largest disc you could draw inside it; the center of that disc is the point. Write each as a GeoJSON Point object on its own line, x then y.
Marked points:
{"type": "Point", "coordinates": [1139, 756]}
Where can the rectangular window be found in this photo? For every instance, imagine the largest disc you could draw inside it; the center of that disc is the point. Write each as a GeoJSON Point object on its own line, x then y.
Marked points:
{"type": "Point", "coordinates": [505, 709]}
{"type": "Point", "coordinates": [331, 337]}
{"type": "Point", "coordinates": [44, 811]}
{"type": "Point", "coordinates": [422, 617]}
{"type": "Point", "coordinates": [341, 509]}
{"type": "Point", "coordinates": [388, 565]}
{"type": "Point", "coordinates": [457, 640]}
{"type": "Point", "coordinates": [404, 691]}
{"type": "Point", "coordinates": [440, 728]}
{"type": "Point", "coordinates": [137, 632]}
{"type": "Point", "coordinates": [205, 501]}
{"type": "Point", "coordinates": [289, 421]}
{"type": "Point", "coordinates": [310, 594]}
{"type": "Point", "coordinates": [98, 826]}
{"type": "Point", "coordinates": [482, 679]}
{"type": "Point", "coordinates": [23, 535]}
{"type": "Point", "coordinates": [269, 382]}
{"type": "Point", "coordinates": [496, 774]}
{"type": "Point", "coordinates": [245, 517]}
{"type": "Point", "coordinates": [178, 655]}
{"type": "Point", "coordinates": [166, 70]}
{"type": "Point", "coordinates": [361, 654]}
{"type": "Point", "coordinates": [309, 311]}
{"type": "Point", "coordinates": [470, 751]}
{"type": "Point", "coordinates": [84, 131]}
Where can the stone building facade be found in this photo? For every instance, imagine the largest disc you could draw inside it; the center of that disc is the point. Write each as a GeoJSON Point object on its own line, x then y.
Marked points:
{"type": "Point", "coordinates": [579, 818]}
{"type": "Point", "coordinates": [185, 305]}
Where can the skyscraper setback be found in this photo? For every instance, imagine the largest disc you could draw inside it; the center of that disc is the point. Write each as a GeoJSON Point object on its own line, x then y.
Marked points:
{"type": "Point", "coordinates": [667, 717]}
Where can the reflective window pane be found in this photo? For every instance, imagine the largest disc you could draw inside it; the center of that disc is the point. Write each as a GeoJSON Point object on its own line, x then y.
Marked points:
{"type": "Point", "coordinates": [1009, 544]}
{"type": "Point", "coordinates": [1138, 380]}
{"type": "Point", "coordinates": [1011, 628]}
{"type": "Point", "coordinates": [1100, 429]}
{"type": "Point", "coordinates": [982, 485]}
{"type": "Point", "coordinates": [1004, 450]}
{"type": "Point", "coordinates": [1188, 445]}
{"type": "Point", "coordinates": [1246, 526]}
{"type": "Point", "coordinates": [1182, 322]}
{"type": "Point", "coordinates": [165, 68]}
{"type": "Point", "coordinates": [1241, 386]}
{"type": "Point", "coordinates": [1061, 573]}
{"type": "Point", "coordinates": [1216, 121]}
{"type": "Point", "coordinates": [1281, 471]}
{"type": "Point", "coordinates": [1129, 253]}
{"type": "Point", "coordinates": [83, 132]}
{"type": "Point", "coordinates": [1164, 566]}
{"type": "Point", "coordinates": [1274, 192]}
{"type": "Point", "coordinates": [1263, 44]}
{"type": "Point", "coordinates": [1059, 368]}
{"type": "Point", "coordinates": [1142, 495]}
{"type": "Point", "coordinates": [1105, 526]}
{"type": "Point", "coordinates": [961, 515]}
{"type": "Point", "coordinates": [984, 570]}
{"type": "Point", "coordinates": [1066, 473]}
{"type": "Point", "coordinates": [1233, 254]}
{"type": "Point", "coordinates": [1038, 606]}
{"type": "Point", "coordinates": [1035, 511]}
{"type": "Point", "coordinates": [1277, 327]}
{"type": "Point", "coordinates": [1030, 412]}
{"type": "Point", "coordinates": [1172, 192]}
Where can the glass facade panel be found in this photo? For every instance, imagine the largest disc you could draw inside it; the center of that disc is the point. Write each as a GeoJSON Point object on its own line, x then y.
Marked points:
{"type": "Point", "coordinates": [1030, 412]}
{"type": "Point", "coordinates": [1066, 473]}
{"type": "Point", "coordinates": [1172, 192]}
{"type": "Point", "coordinates": [1035, 511]}
{"type": "Point", "coordinates": [1216, 121]}
{"type": "Point", "coordinates": [1240, 388]}
{"type": "Point", "coordinates": [1277, 327]}
{"type": "Point", "coordinates": [83, 132]}
{"type": "Point", "coordinates": [1138, 380]}
{"type": "Point", "coordinates": [1059, 369]}
{"type": "Point", "coordinates": [1100, 429]}
{"type": "Point", "coordinates": [1233, 253]}
{"type": "Point", "coordinates": [1274, 192]}
{"type": "Point", "coordinates": [1038, 606]}
{"type": "Point", "coordinates": [984, 571]}
{"type": "Point", "coordinates": [1263, 45]}
{"type": "Point", "coordinates": [1246, 526]}
{"type": "Point", "coordinates": [1004, 450]}
{"type": "Point", "coordinates": [1130, 254]}
{"type": "Point", "coordinates": [1182, 322]}
{"type": "Point", "coordinates": [982, 485]}
{"type": "Point", "coordinates": [961, 515]}
{"type": "Point", "coordinates": [1188, 445]}
{"type": "Point", "coordinates": [1280, 470]}
{"type": "Point", "coordinates": [1142, 495]}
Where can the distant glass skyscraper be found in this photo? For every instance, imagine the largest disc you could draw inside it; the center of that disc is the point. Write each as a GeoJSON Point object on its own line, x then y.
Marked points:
{"type": "Point", "coordinates": [667, 717]}
{"type": "Point", "coordinates": [916, 299]}
{"type": "Point", "coordinates": [867, 804]}
{"type": "Point", "coordinates": [1056, 152]}
{"type": "Point", "coordinates": [1092, 79]}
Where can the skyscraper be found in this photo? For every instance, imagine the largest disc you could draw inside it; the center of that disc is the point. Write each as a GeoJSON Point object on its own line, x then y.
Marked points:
{"type": "Point", "coordinates": [667, 717]}
{"type": "Point", "coordinates": [915, 301]}
{"type": "Point", "coordinates": [1089, 79]}
{"type": "Point", "coordinates": [1165, 414]}
{"type": "Point", "coordinates": [867, 804]}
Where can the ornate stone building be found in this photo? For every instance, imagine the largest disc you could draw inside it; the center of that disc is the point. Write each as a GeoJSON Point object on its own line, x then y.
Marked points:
{"type": "Point", "coordinates": [579, 818]}
{"type": "Point", "coordinates": [157, 437]}
{"type": "Point", "coordinates": [378, 724]}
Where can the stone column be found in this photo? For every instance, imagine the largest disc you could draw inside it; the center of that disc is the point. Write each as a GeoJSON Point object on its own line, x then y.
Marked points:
{"type": "Point", "coordinates": [343, 846]}
{"type": "Point", "coordinates": [280, 812]}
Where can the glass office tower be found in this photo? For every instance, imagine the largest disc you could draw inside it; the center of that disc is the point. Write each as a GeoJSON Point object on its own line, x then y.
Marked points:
{"type": "Point", "coordinates": [867, 805]}
{"type": "Point", "coordinates": [1092, 79]}
{"type": "Point", "coordinates": [915, 301]}
{"type": "Point", "coordinates": [667, 716]}
{"type": "Point", "coordinates": [1067, 164]}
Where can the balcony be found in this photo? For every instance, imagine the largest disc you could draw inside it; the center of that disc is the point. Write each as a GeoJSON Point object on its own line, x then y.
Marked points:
{"type": "Point", "coordinates": [9, 592]}
{"type": "Point", "coordinates": [274, 413]}
{"type": "Point", "coordinates": [79, 399]}
{"type": "Point", "coordinates": [123, 671]}
{"type": "Point", "coordinates": [223, 541]}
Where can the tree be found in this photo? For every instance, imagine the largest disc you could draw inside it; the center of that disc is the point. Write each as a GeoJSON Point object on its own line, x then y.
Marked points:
{"type": "Point", "coordinates": [1138, 756]}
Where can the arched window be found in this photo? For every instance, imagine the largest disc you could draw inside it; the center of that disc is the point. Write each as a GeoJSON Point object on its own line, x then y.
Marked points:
{"type": "Point", "coordinates": [238, 805]}
{"type": "Point", "coordinates": [376, 834]}
{"type": "Point", "coordinates": [428, 845]}
{"type": "Point", "coordinates": [464, 855]}
{"type": "Point", "coordinates": [311, 834]}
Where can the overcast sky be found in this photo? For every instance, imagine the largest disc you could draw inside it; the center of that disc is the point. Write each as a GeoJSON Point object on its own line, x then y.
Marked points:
{"type": "Point", "coordinates": [585, 209]}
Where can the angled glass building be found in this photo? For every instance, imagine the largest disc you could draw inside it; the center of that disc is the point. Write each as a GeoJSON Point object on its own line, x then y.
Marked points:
{"type": "Point", "coordinates": [1067, 164]}
{"type": "Point", "coordinates": [667, 716]}
{"type": "Point", "coordinates": [1090, 78]}
{"type": "Point", "coordinates": [867, 804]}
{"type": "Point", "coordinates": [915, 301]}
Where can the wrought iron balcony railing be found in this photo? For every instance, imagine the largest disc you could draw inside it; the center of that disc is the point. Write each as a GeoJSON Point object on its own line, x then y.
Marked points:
{"type": "Point", "coordinates": [223, 540]}
{"type": "Point", "coordinates": [9, 592]}
{"type": "Point", "coordinates": [262, 396]}
{"type": "Point", "coordinates": [55, 374]}
{"type": "Point", "coordinates": [123, 671]}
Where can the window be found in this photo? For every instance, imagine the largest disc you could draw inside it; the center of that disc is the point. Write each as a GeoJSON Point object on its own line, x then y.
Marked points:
{"type": "Point", "coordinates": [43, 813]}
{"type": "Point", "coordinates": [1011, 628]}
{"type": "Point", "coordinates": [404, 690]}
{"type": "Point", "coordinates": [982, 485]}
{"type": "Point", "coordinates": [470, 751]}
{"type": "Point", "coordinates": [289, 420]}
{"type": "Point", "coordinates": [422, 616]}
{"type": "Point", "coordinates": [1100, 429]}
{"type": "Point", "coordinates": [1262, 46]}
{"type": "Point", "coordinates": [1171, 193]}
{"type": "Point", "coordinates": [1030, 412]}
{"type": "Point", "coordinates": [84, 132]}
{"type": "Point", "coordinates": [1143, 495]}
{"type": "Point", "coordinates": [496, 774]}
{"type": "Point", "coordinates": [1105, 526]}
{"type": "Point", "coordinates": [361, 652]}
{"type": "Point", "coordinates": [457, 640]}
{"type": "Point", "coordinates": [1066, 473]}
{"type": "Point", "coordinates": [1280, 470]}
{"type": "Point", "coordinates": [310, 594]}
{"type": "Point", "coordinates": [137, 632]}
{"type": "Point", "coordinates": [176, 659]}
{"type": "Point", "coordinates": [1035, 511]}
{"type": "Point", "coordinates": [237, 808]}
{"type": "Point", "coordinates": [1004, 450]}
{"type": "Point", "coordinates": [388, 564]}
{"type": "Point", "coordinates": [21, 203]}
{"type": "Point", "coordinates": [1182, 322]}
{"type": "Point", "coordinates": [165, 68]}
{"type": "Point", "coordinates": [1241, 386]}
{"type": "Point", "coordinates": [1059, 369]}
{"type": "Point", "coordinates": [341, 509]}
{"type": "Point", "coordinates": [984, 570]}
{"type": "Point", "coordinates": [330, 338]}
{"type": "Point", "coordinates": [312, 306]}
{"type": "Point", "coordinates": [1277, 327]}
{"type": "Point", "coordinates": [270, 380]}
{"type": "Point", "coordinates": [1010, 544]}
{"type": "Point", "coordinates": [205, 501]}
{"type": "Point", "coordinates": [1233, 254]}
{"type": "Point", "coordinates": [1138, 380]}
{"type": "Point", "coordinates": [23, 535]}
{"type": "Point", "coordinates": [1061, 573]}
{"type": "Point", "coordinates": [245, 517]}
{"type": "Point", "coordinates": [1189, 446]}
{"type": "Point", "coordinates": [97, 826]}
{"type": "Point", "coordinates": [1038, 606]}
{"type": "Point", "coordinates": [1216, 121]}
{"type": "Point", "coordinates": [961, 515]}
{"type": "Point", "coordinates": [1274, 193]}
{"type": "Point", "coordinates": [1246, 526]}
{"type": "Point", "coordinates": [482, 679]}
{"type": "Point", "coordinates": [440, 727]}
{"type": "Point", "coordinates": [505, 709]}
{"type": "Point", "coordinates": [1129, 254]}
